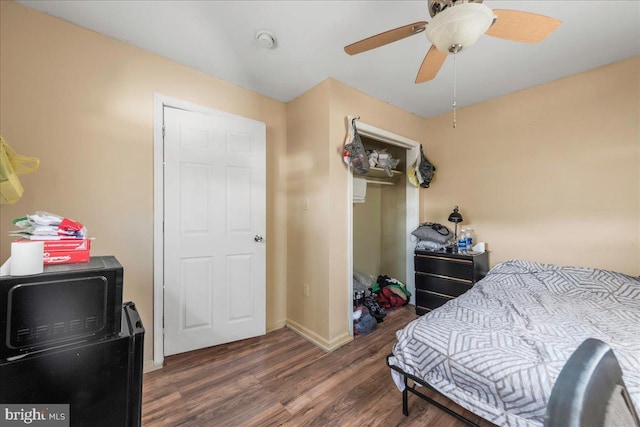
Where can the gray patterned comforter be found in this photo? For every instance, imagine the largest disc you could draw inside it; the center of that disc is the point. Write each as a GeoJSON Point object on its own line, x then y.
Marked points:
{"type": "Point", "coordinates": [497, 349]}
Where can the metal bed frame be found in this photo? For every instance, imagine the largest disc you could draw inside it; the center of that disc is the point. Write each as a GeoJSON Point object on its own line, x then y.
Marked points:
{"type": "Point", "coordinates": [416, 380]}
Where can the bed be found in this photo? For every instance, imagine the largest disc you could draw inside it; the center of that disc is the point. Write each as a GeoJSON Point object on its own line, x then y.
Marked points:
{"type": "Point", "coordinates": [498, 349]}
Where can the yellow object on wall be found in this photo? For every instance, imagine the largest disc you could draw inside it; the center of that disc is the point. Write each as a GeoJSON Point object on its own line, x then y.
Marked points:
{"type": "Point", "coordinates": [11, 165]}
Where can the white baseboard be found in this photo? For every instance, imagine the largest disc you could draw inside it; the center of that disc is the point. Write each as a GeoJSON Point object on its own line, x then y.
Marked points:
{"type": "Point", "coordinates": [279, 324]}
{"type": "Point", "coordinates": [150, 366]}
{"type": "Point", "coordinates": [327, 345]}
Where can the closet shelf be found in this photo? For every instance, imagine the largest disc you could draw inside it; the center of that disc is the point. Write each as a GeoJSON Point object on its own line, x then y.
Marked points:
{"type": "Point", "coordinates": [375, 172]}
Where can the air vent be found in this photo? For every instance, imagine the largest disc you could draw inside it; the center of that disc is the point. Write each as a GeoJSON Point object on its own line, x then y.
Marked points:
{"type": "Point", "coordinates": [23, 334]}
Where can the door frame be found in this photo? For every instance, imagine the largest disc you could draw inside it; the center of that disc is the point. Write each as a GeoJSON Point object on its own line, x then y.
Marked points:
{"type": "Point", "coordinates": [412, 204]}
{"type": "Point", "coordinates": [161, 101]}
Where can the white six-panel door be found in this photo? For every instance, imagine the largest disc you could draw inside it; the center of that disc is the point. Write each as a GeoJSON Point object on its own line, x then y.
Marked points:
{"type": "Point", "coordinates": [214, 229]}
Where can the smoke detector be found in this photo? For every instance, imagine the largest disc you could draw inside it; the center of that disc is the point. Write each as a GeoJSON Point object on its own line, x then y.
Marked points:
{"type": "Point", "coordinates": [266, 39]}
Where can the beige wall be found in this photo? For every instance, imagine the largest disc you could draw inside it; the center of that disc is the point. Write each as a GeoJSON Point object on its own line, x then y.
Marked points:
{"type": "Point", "coordinates": [308, 219]}
{"type": "Point", "coordinates": [317, 236]}
{"type": "Point", "coordinates": [83, 104]}
{"type": "Point", "coordinates": [550, 173]}
{"type": "Point", "coordinates": [393, 225]}
{"type": "Point", "coordinates": [367, 233]}
{"type": "Point", "coordinates": [378, 231]}
{"type": "Point", "coordinates": [346, 101]}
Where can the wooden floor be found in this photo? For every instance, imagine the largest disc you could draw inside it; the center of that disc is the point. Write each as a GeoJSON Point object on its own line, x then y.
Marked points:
{"type": "Point", "coordinates": [283, 379]}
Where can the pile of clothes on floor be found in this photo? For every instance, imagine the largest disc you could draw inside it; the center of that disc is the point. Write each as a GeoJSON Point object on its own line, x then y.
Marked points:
{"type": "Point", "coordinates": [373, 297]}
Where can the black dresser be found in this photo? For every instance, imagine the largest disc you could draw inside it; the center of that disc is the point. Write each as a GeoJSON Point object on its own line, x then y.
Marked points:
{"type": "Point", "coordinates": [441, 276]}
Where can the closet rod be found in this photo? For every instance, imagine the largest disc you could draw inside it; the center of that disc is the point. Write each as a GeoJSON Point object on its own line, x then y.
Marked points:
{"type": "Point", "coordinates": [372, 181]}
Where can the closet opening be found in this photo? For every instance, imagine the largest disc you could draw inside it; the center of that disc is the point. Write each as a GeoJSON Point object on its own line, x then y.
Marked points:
{"type": "Point", "coordinates": [383, 212]}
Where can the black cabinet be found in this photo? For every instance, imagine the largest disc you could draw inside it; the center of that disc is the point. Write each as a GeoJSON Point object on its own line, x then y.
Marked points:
{"type": "Point", "coordinates": [441, 276]}
{"type": "Point", "coordinates": [100, 380]}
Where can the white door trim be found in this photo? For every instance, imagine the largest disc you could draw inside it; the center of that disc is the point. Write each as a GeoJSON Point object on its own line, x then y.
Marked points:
{"type": "Point", "coordinates": [159, 102]}
{"type": "Point", "coordinates": [412, 202]}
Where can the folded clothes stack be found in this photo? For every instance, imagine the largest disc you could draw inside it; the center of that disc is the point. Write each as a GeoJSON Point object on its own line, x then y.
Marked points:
{"type": "Point", "coordinates": [65, 240]}
{"type": "Point", "coordinates": [433, 237]}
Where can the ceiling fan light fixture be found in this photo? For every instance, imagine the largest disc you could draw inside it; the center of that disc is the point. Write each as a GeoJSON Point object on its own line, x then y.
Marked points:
{"type": "Point", "coordinates": [459, 26]}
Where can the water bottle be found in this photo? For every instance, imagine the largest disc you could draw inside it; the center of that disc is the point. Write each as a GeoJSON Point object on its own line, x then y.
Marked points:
{"type": "Point", "coordinates": [462, 241]}
{"type": "Point", "coordinates": [469, 237]}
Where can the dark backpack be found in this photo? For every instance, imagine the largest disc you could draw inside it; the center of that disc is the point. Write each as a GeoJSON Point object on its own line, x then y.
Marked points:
{"type": "Point", "coordinates": [425, 170]}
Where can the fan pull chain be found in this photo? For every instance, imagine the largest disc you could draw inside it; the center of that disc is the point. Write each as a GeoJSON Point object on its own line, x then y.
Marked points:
{"type": "Point", "coordinates": [454, 89]}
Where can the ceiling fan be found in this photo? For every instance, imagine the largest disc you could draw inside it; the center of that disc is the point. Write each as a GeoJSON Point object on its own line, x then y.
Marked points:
{"type": "Point", "coordinates": [457, 24]}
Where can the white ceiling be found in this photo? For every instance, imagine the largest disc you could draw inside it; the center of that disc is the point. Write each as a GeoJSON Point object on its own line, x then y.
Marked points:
{"type": "Point", "coordinates": [218, 37]}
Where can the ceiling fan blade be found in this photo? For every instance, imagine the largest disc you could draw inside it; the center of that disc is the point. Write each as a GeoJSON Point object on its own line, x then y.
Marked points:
{"type": "Point", "coordinates": [431, 64]}
{"type": "Point", "coordinates": [385, 38]}
{"type": "Point", "coordinates": [522, 26]}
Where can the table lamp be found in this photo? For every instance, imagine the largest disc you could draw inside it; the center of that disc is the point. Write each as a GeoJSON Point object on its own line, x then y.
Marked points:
{"type": "Point", "coordinates": [455, 217]}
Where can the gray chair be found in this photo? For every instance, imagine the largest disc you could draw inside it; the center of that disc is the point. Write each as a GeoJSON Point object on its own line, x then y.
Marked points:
{"type": "Point", "coordinates": [589, 391]}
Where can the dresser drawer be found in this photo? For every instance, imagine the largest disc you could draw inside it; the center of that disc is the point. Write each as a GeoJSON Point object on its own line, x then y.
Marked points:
{"type": "Point", "coordinates": [444, 266]}
{"type": "Point", "coordinates": [422, 310]}
{"type": "Point", "coordinates": [429, 300]}
{"type": "Point", "coordinates": [440, 285]}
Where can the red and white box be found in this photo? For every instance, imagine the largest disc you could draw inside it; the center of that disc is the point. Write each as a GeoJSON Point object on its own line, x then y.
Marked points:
{"type": "Point", "coordinates": [66, 251]}
{"type": "Point", "coordinates": [67, 245]}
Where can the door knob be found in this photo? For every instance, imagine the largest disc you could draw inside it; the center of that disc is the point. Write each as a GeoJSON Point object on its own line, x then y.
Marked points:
{"type": "Point", "coordinates": [258, 238]}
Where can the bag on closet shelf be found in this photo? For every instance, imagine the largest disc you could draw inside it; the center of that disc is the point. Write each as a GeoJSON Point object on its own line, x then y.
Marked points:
{"type": "Point", "coordinates": [354, 152]}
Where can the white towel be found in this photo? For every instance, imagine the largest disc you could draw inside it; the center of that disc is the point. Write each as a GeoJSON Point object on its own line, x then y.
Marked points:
{"type": "Point", "coordinates": [359, 190]}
